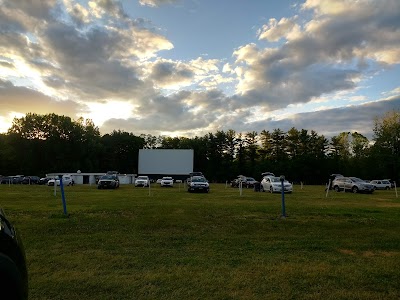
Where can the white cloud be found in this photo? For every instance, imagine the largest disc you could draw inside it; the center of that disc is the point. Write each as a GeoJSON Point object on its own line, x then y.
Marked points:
{"type": "Point", "coordinates": [157, 3]}
{"type": "Point", "coordinates": [274, 31]}
{"type": "Point", "coordinates": [93, 52]}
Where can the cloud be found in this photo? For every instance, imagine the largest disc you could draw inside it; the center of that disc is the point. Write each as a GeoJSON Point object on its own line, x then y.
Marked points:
{"type": "Point", "coordinates": [170, 74]}
{"type": "Point", "coordinates": [274, 31]}
{"type": "Point", "coordinates": [185, 112]}
{"type": "Point", "coordinates": [157, 3]}
{"type": "Point", "coordinates": [67, 55]}
{"type": "Point", "coordinates": [328, 54]}
{"type": "Point", "coordinates": [21, 99]}
{"type": "Point", "coordinates": [331, 122]}
{"type": "Point", "coordinates": [97, 63]}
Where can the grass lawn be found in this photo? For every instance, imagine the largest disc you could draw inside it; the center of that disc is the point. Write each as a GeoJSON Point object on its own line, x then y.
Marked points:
{"type": "Point", "coordinates": [171, 244]}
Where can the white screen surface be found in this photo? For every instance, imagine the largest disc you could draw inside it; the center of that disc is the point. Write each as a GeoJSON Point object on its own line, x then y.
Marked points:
{"type": "Point", "coordinates": [166, 161]}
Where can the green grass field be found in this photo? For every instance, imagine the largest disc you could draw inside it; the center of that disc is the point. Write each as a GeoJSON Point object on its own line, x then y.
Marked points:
{"type": "Point", "coordinates": [171, 244]}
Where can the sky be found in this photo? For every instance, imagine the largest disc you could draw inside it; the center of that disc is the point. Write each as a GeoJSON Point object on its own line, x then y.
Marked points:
{"type": "Point", "coordinates": [190, 67]}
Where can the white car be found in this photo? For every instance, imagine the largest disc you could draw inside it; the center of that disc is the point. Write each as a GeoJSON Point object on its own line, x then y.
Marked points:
{"type": "Point", "coordinates": [381, 184]}
{"type": "Point", "coordinates": [273, 184]}
{"type": "Point", "coordinates": [167, 181]}
{"type": "Point", "coordinates": [142, 181]}
{"type": "Point", "coordinates": [66, 179]}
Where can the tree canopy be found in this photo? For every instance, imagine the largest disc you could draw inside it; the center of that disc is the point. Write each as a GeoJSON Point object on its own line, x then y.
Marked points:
{"type": "Point", "coordinates": [39, 144]}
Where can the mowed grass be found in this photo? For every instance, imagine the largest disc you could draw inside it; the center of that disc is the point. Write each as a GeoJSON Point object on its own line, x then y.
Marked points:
{"type": "Point", "coordinates": [170, 244]}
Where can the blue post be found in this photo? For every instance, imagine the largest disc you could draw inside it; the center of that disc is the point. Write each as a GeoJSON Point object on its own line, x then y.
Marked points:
{"type": "Point", "coordinates": [282, 178]}
{"type": "Point", "coordinates": [63, 195]}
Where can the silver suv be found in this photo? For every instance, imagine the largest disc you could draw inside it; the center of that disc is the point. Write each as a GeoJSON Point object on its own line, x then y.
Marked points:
{"type": "Point", "coordinates": [352, 184]}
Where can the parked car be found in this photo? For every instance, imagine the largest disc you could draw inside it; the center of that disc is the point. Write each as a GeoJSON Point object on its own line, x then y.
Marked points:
{"type": "Point", "coordinates": [191, 174]}
{"type": "Point", "coordinates": [142, 181]}
{"type": "Point", "coordinates": [273, 184]}
{"type": "Point", "coordinates": [250, 182]}
{"type": "Point", "coordinates": [267, 174]}
{"type": "Point", "coordinates": [167, 181]}
{"type": "Point", "coordinates": [381, 184]}
{"type": "Point", "coordinates": [13, 270]}
{"type": "Point", "coordinates": [198, 184]}
{"type": "Point", "coordinates": [332, 178]}
{"type": "Point", "coordinates": [67, 180]}
{"type": "Point", "coordinates": [17, 179]}
{"type": "Point", "coordinates": [391, 183]}
{"type": "Point", "coordinates": [239, 180]}
{"type": "Point", "coordinates": [6, 180]}
{"type": "Point", "coordinates": [44, 180]}
{"type": "Point", "coordinates": [247, 182]}
{"type": "Point", "coordinates": [30, 180]}
{"type": "Point", "coordinates": [159, 181]}
{"type": "Point", "coordinates": [109, 181]}
{"type": "Point", "coordinates": [112, 173]}
{"type": "Point", "coordinates": [353, 184]}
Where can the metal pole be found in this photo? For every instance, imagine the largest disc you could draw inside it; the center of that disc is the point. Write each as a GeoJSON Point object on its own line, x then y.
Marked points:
{"type": "Point", "coordinates": [62, 195]}
{"type": "Point", "coordinates": [327, 188]}
{"type": "Point", "coordinates": [149, 188]}
{"type": "Point", "coordinates": [55, 186]}
{"type": "Point", "coordinates": [282, 178]}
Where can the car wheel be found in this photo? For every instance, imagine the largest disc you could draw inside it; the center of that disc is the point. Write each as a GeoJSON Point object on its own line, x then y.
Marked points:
{"type": "Point", "coordinates": [261, 188]}
{"type": "Point", "coordinates": [271, 190]}
{"type": "Point", "coordinates": [354, 189]}
{"type": "Point", "coordinates": [336, 188]}
{"type": "Point", "coordinates": [387, 188]}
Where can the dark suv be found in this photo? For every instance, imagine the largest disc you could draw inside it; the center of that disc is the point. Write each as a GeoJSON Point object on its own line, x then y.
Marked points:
{"type": "Point", "coordinates": [13, 272]}
{"type": "Point", "coordinates": [108, 182]}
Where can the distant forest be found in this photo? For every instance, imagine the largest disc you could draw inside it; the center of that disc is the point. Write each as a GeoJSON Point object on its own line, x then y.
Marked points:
{"type": "Point", "coordinates": [39, 144]}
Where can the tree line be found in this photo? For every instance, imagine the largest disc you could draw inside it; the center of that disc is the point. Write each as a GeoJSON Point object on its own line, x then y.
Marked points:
{"type": "Point", "coordinates": [38, 144]}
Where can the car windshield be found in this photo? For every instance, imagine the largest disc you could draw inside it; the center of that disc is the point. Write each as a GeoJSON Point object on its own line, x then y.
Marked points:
{"type": "Point", "coordinates": [250, 179]}
{"type": "Point", "coordinates": [167, 178]}
{"type": "Point", "coordinates": [142, 178]}
{"type": "Point", "coordinates": [107, 177]}
{"type": "Point", "coordinates": [275, 179]}
{"type": "Point", "coordinates": [198, 179]}
{"type": "Point", "coordinates": [355, 179]}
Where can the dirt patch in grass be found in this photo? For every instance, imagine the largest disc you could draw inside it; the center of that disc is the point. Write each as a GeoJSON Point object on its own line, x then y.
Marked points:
{"type": "Point", "coordinates": [371, 253]}
{"type": "Point", "coordinates": [385, 203]}
{"type": "Point", "coordinates": [380, 253]}
{"type": "Point", "coordinates": [347, 251]}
